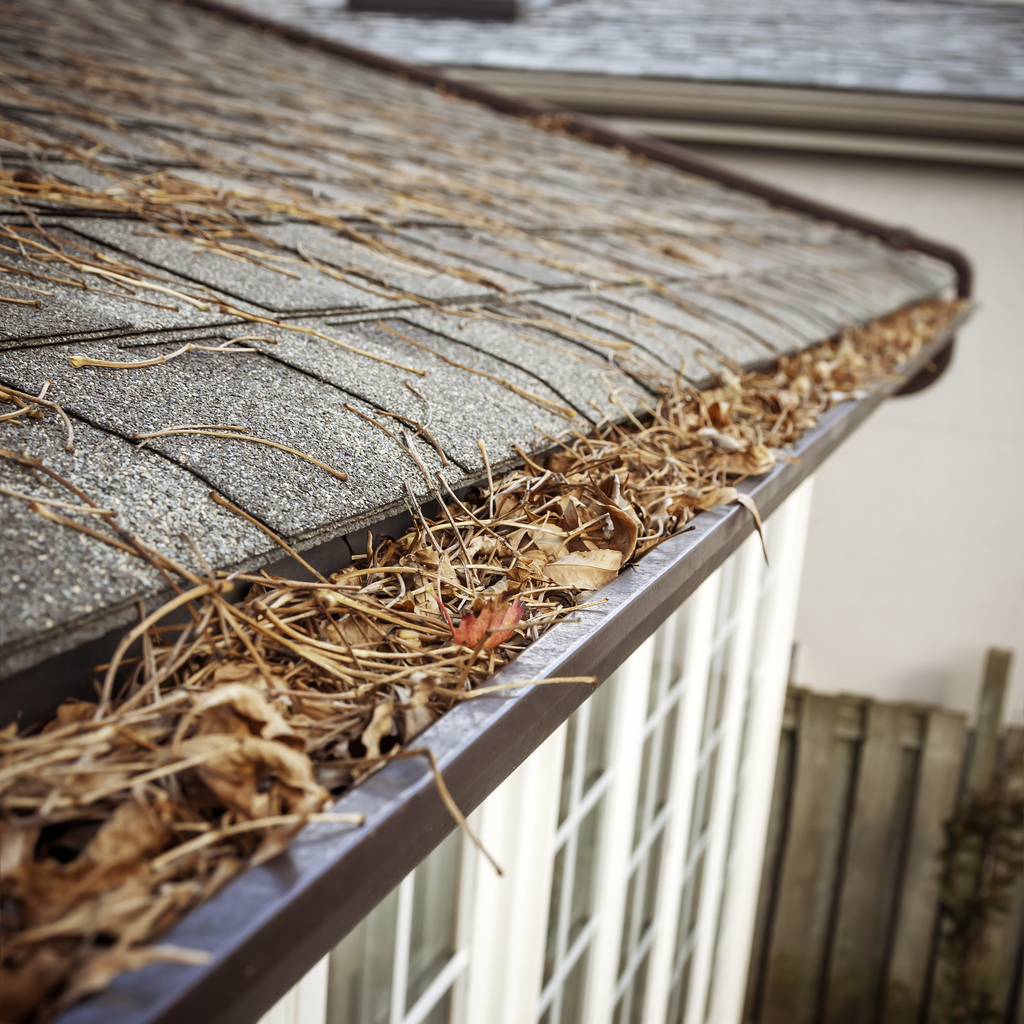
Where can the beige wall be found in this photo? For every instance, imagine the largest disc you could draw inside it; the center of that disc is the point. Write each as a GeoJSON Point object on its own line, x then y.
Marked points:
{"type": "Point", "coordinates": [915, 559]}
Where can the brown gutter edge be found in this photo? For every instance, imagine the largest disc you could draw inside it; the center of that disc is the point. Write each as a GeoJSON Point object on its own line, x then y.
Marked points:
{"type": "Point", "coordinates": [600, 134]}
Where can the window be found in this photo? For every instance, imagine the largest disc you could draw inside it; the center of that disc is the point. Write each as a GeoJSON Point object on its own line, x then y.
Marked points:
{"type": "Point", "coordinates": [652, 813]}
{"type": "Point", "coordinates": [763, 582]}
{"type": "Point", "coordinates": [571, 920]}
{"type": "Point", "coordinates": [400, 965]}
{"type": "Point", "coordinates": [709, 757]}
{"type": "Point", "coordinates": [773, 593]}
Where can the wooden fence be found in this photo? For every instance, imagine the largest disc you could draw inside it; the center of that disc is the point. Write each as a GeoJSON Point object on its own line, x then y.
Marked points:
{"type": "Point", "coordinates": [848, 921]}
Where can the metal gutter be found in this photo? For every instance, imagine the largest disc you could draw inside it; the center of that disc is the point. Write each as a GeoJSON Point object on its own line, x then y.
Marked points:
{"type": "Point", "coordinates": [273, 923]}
{"type": "Point", "coordinates": [719, 104]}
{"type": "Point", "coordinates": [812, 140]}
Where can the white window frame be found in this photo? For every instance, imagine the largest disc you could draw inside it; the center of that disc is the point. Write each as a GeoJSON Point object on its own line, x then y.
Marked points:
{"type": "Point", "coordinates": [452, 975]}
{"type": "Point", "coordinates": [755, 776]}
{"type": "Point", "coordinates": [696, 667]}
{"type": "Point", "coordinates": [608, 789]}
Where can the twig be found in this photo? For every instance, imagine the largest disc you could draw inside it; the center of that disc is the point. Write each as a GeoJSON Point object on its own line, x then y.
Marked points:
{"type": "Point", "coordinates": [490, 478]}
{"type": "Point", "coordinates": [515, 388]}
{"type": "Point", "coordinates": [129, 638]}
{"type": "Point", "coordinates": [38, 400]}
{"type": "Point", "coordinates": [255, 318]}
{"type": "Point", "coordinates": [79, 361]}
{"type": "Point", "coordinates": [209, 838]}
{"type": "Point", "coordinates": [168, 431]}
{"type": "Point", "coordinates": [83, 509]}
{"type": "Point", "coordinates": [423, 399]}
{"type": "Point", "coordinates": [269, 532]}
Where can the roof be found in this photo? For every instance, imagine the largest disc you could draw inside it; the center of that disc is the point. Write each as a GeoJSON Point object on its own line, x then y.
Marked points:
{"type": "Point", "coordinates": [395, 258]}
{"type": "Point", "coordinates": [926, 47]}
{"type": "Point", "coordinates": [403, 253]}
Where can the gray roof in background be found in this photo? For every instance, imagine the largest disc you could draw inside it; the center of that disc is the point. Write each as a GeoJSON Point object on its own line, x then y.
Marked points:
{"type": "Point", "coordinates": [478, 210]}
{"type": "Point", "coordinates": [922, 47]}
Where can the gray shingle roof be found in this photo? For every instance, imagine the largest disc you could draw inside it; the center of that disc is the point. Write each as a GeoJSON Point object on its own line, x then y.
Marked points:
{"type": "Point", "coordinates": [928, 47]}
{"type": "Point", "coordinates": [529, 277]}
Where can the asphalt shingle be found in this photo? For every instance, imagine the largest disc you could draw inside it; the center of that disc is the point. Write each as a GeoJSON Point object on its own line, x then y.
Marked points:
{"type": "Point", "coordinates": [385, 248]}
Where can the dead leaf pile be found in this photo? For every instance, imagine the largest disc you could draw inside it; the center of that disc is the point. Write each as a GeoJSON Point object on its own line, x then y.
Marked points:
{"type": "Point", "coordinates": [211, 743]}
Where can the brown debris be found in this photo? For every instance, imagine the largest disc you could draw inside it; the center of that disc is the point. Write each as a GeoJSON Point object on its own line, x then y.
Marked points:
{"type": "Point", "coordinates": [214, 743]}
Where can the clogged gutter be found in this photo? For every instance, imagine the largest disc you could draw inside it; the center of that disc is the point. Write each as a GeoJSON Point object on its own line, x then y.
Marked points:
{"type": "Point", "coordinates": [210, 746]}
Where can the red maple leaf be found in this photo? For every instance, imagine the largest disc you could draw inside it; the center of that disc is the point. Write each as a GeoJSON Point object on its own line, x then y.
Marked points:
{"type": "Point", "coordinates": [494, 619]}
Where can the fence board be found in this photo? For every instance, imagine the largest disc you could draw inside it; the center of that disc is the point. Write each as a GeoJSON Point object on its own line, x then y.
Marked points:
{"type": "Point", "coordinates": [872, 857]}
{"type": "Point", "coordinates": [774, 851]}
{"type": "Point", "coordinates": [1006, 938]}
{"type": "Point", "coordinates": [990, 712]}
{"type": "Point", "coordinates": [848, 916]}
{"type": "Point", "coordinates": [939, 769]}
{"type": "Point", "coordinates": [799, 937]}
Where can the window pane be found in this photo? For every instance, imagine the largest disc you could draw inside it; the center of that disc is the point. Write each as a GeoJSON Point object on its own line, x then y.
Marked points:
{"type": "Point", "coordinates": [442, 1011]}
{"type": "Point", "coordinates": [651, 885]}
{"type": "Point", "coordinates": [574, 990]}
{"type": "Point", "coordinates": [728, 595]}
{"type": "Point", "coordinates": [567, 762]}
{"type": "Point", "coordinates": [709, 792]}
{"type": "Point", "coordinates": [668, 747]}
{"type": "Point", "coordinates": [700, 792]}
{"type": "Point", "coordinates": [718, 679]}
{"type": "Point", "coordinates": [435, 904]}
{"type": "Point", "coordinates": [680, 991]}
{"type": "Point", "coordinates": [641, 791]}
{"type": "Point", "coordinates": [691, 900]}
{"type": "Point", "coordinates": [679, 638]}
{"type": "Point", "coordinates": [627, 924]}
{"type": "Point", "coordinates": [586, 873]}
{"type": "Point", "coordinates": [761, 636]}
{"type": "Point", "coordinates": [551, 945]}
{"type": "Point", "coordinates": [636, 1013]}
{"type": "Point", "coordinates": [659, 664]}
{"type": "Point", "coordinates": [360, 969]}
{"type": "Point", "coordinates": [597, 735]}
{"type": "Point", "coordinates": [722, 683]}
{"type": "Point", "coordinates": [655, 684]}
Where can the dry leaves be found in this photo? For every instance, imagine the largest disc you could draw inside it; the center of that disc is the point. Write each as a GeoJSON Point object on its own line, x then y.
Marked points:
{"type": "Point", "coordinates": [213, 743]}
{"type": "Point", "coordinates": [489, 623]}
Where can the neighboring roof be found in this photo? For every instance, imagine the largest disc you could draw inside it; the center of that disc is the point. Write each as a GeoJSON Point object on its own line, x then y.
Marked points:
{"type": "Point", "coordinates": [922, 47]}
{"type": "Point", "coordinates": [555, 273]}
